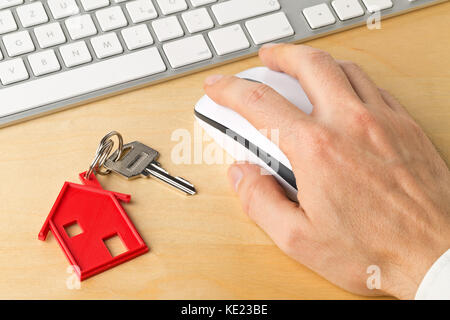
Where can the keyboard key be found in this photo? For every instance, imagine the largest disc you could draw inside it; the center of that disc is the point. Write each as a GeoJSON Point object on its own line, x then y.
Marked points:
{"type": "Point", "coordinates": [197, 20]}
{"type": "Point", "coordinates": [82, 80]}
{"type": "Point", "coordinates": [347, 9]}
{"type": "Point", "coordinates": [167, 28]}
{"type": "Point", "coordinates": [319, 16]}
{"type": "Point", "coordinates": [44, 62]}
{"type": "Point", "coordinates": [12, 71]}
{"type": "Point", "coordinates": [7, 22]}
{"type": "Point", "coordinates": [229, 39]}
{"type": "Point", "coordinates": [9, 3]}
{"type": "Point", "coordinates": [187, 51]}
{"type": "Point", "coordinates": [32, 14]}
{"type": "Point", "coordinates": [18, 43]}
{"type": "Point", "coordinates": [198, 3]}
{"type": "Point", "coordinates": [49, 35]}
{"type": "Point", "coordinates": [377, 5]}
{"type": "Point", "coordinates": [111, 18]}
{"type": "Point", "coordinates": [63, 8]}
{"type": "Point", "coordinates": [137, 37]}
{"type": "Point", "coordinates": [80, 26]}
{"type": "Point", "coordinates": [89, 5]}
{"type": "Point", "coordinates": [75, 54]}
{"type": "Point", "coordinates": [235, 10]}
{"type": "Point", "coordinates": [106, 45]}
{"type": "Point", "coordinates": [269, 28]}
{"type": "Point", "coordinates": [172, 6]}
{"type": "Point", "coordinates": [141, 10]}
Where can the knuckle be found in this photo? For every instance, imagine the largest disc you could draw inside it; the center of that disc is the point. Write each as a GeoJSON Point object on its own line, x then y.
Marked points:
{"type": "Point", "coordinates": [290, 240]}
{"type": "Point", "coordinates": [317, 56]}
{"type": "Point", "coordinates": [363, 118]}
{"type": "Point", "coordinates": [364, 123]}
{"type": "Point", "coordinates": [257, 94]}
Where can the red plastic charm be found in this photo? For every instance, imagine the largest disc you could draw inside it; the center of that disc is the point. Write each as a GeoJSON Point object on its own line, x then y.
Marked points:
{"type": "Point", "coordinates": [100, 216]}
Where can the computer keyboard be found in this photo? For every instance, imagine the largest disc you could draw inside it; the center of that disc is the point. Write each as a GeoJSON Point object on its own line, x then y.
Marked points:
{"type": "Point", "coordinates": [59, 53]}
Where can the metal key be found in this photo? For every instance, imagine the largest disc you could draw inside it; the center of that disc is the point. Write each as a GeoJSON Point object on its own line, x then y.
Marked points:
{"type": "Point", "coordinates": [139, 160]}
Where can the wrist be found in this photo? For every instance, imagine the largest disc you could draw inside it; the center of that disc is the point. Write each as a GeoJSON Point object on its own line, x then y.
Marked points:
{"type": "Point", "coordinates": [399, 283]}
{"type": "Point", "coordinates": [414, 253]}
{"type": "Point", "coordinates": [404, 279]}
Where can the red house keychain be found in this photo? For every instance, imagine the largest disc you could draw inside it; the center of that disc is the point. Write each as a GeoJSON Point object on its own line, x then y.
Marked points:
{"type": "Point", "coordinates": [100, 216]}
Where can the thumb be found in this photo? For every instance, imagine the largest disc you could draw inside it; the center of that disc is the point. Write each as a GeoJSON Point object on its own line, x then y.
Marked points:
{"type": "Point", "coordinates": [265, 202]}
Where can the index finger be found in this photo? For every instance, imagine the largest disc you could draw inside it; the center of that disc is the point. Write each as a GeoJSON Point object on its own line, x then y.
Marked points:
{"type": "Point", "coordinates": [262, 106]}
{"type": "Point", "coordinates": [321, 77]}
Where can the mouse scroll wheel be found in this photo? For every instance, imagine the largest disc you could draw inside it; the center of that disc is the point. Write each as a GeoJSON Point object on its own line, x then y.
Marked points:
{"type": "Point", "coordinates": [252, 80]}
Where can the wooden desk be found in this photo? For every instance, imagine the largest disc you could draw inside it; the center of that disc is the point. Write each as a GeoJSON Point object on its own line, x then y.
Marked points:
{"type": "Point", "coordinates": [204, 246]}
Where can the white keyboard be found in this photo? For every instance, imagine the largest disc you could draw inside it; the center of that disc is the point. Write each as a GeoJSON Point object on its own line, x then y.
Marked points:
{"type": "Point", "coordinates": [58, 53]}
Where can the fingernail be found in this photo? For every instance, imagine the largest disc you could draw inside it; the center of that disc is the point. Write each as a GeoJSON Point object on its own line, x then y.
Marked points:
{"type": "Point", "coordinates": [269, 45]}
{"type": "Point", "coordinates": [236, 175]}
{"type": "Point", "coordinates": [213, 79]}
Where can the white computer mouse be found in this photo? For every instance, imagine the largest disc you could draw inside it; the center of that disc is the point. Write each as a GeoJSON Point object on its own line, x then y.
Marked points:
{"type": "Point", "coordinates": [242, 140]}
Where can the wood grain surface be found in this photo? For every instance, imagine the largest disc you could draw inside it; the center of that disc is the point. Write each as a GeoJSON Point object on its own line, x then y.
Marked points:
{"type": "Point", "coordinates": [202, 247]}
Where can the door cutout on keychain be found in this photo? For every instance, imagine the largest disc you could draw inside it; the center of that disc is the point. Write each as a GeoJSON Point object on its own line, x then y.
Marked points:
{"type": "Point", "coordinates": [115, 245]}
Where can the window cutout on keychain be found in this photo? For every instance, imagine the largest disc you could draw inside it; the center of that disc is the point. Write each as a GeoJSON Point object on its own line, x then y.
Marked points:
{"type": "Point", "coordinates": [73, 229]}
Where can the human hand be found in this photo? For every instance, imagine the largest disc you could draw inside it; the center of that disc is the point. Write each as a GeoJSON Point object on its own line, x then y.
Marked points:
{"type": "Point", "coordinates": [373, 190]}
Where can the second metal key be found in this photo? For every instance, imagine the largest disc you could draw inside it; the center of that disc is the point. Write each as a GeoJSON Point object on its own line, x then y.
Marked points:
{"type": "Point", "coordinates": [139, 160]}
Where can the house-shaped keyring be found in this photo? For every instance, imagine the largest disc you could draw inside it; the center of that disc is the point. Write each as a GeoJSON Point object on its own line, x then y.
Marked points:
{"type": "Point", "coordinates": [100, 216]}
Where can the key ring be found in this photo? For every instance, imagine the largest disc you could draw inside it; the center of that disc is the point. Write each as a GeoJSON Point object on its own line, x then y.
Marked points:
{"type": "Point", "coordinates": [103, 151]}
